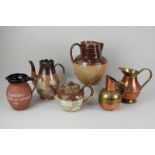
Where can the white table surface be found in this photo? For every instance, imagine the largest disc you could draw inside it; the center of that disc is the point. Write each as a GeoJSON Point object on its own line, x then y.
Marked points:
{"type": "Point", "coordinates": [48, 114]}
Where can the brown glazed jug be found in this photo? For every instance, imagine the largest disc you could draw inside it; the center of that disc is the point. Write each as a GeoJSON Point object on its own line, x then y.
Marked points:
{"type": "Point", "coordinates": [132, 85]}
{"type": "Point", "coordinates": [46, 81]}
{"type": "Point", "coordinates": [19, 92]}
{"type": "Point", "coordinates": [90, 65]}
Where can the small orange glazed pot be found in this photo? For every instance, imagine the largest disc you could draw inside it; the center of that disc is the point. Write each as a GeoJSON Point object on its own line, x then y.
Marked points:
{"type": "Point", "coordinates": [19, 92]}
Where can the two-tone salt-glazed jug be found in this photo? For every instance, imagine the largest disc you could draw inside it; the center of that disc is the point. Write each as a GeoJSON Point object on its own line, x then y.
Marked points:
{"type": "Point", "coordinates": [90, 66]}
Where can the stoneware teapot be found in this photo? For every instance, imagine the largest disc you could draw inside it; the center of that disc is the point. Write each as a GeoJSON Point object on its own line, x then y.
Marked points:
{"type": "Point", "coordinates": [19, 92]}
{"type": "Point", "coordinates": [132, 85]}
{"type": "Point", "coordinates": [90, 66]}
{"type": "Point", "coordinates": [46, 81]}
{"type": "Point", "coordinates": [71, 96]}
{"type": "Point", "coordinates": [110, 97]}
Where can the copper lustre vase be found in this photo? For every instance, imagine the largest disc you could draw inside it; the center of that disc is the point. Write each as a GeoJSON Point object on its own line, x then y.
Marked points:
{"type": "Point", "coordinates": [132, 85]}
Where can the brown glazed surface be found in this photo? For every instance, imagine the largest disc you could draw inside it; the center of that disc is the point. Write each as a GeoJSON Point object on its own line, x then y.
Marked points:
{"type": "Point", "coordinates": [47, 86]}
{"type": "Point", "coordinates": [90, 65]}
{"type": "Point", "coordinates": [47, 81]}
{"type": "Point", "coordinates": [71, 91]}
{"type": "Point", "coordinates": [19, 95]}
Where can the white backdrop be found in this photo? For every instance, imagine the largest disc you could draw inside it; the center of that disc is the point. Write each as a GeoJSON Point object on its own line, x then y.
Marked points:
{"type": "Point", "coordinates": [124, 46]}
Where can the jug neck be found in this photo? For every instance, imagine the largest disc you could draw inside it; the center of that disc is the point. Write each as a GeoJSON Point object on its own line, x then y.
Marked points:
{"type": "Point", "coordinates": [91, 50]}
{"type": "Point", "coordinates": [47, 67]}
{"type": "Point", "coordinates": [111, 84]}
{"type": "Point", "coordinates": [129, 73]}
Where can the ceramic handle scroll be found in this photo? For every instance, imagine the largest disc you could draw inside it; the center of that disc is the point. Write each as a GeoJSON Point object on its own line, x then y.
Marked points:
{"type": "Point", "coordinates": [150, 76]}
{"type": "Point", "coordinates": [63, 70]}
{"type": "Point", "coordinates": [34, 86]}
{"type": "Point", "coordinates": [71, 50]}
{"type": "Point", "coordinates": [91, 93]}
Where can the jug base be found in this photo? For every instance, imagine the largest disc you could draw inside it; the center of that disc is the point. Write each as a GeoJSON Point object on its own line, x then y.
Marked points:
{"type": "Point", "coordinates": [20, 108]}
{"type": "Point", "coordinates": [129, 101]}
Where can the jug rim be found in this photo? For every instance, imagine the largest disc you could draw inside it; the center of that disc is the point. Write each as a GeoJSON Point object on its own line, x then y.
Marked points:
{"type": "Point", "coordinates": [91, 44]}
{"type": "Point", "coordinates": [47, 61]}
{"type": "Point", "coordinates": [129, 71]}
{"type": "Point", "coordinates": [18, 78]}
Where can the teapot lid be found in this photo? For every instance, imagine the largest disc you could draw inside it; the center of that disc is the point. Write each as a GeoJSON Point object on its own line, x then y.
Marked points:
{"type": "Point", "coordinates": [70, 88]}
{"type": "Point", "coordinates": [18, 78]}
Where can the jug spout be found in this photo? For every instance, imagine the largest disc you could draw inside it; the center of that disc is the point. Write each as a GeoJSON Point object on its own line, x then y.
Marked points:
{"type": "Point", "coordinates": [124, 70]}
{"type": "Point", "coordinates": [111, 84]}
{"type": "Point", "coordinates": [129, 71]}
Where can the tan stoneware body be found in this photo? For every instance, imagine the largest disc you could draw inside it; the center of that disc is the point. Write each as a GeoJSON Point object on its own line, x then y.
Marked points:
{"type": "Point", "coordinates": [90, 66]}
{"type": "Point", "coordinates": [46, 81]}
{"type": "Point", "coordinates": [19, 95]}
{"type": "Point", "coordinates": [132, 85]}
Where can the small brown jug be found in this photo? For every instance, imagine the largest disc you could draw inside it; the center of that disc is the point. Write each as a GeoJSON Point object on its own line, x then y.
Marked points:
{"type": "Point", "coordinates": [90, 65]}
{"type": "Point", "coordinates": [19, 92]}
{"type": "Point", "coordinates": [132, 86]}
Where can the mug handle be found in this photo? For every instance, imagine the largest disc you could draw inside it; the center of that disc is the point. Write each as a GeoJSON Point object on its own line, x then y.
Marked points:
{"type": "Point", "coordinates": [150, 75]}
{"type": "Point", "coordinates": [71, 50]}
{"type": "Point", "coordinates": [91, 93]}
{"type": "Point", "coordinates": [34, 86]}
{"type": "Point", "coordinates": [63, 70]}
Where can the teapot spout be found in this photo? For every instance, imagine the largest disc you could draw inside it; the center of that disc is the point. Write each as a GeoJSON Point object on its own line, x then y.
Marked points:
{"type": "Point", "coordinates": [33, 73]}
{"type": "Point", "coordinates": [57, 97]}
{"type": "Point", "coordinates": [33, 70]}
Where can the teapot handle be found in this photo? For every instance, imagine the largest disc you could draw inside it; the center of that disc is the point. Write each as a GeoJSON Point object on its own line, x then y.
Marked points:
{"type": "Point", "coordinates": [150, 76]}
{"type": "Point", "coordinates": [71, 50]}
{"type": "Point", "coordinates": [91, 93]}
{"type": "Point", "coordinates": [34, 86]}
{"type": "Point", "coordinates": [63, 70]}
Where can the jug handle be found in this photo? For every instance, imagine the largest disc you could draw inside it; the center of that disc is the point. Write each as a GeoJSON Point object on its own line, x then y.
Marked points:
{"type": "Point", "coordinates": [71, 50]}
{"type": "Point", "coordinates": [91, 93]}
{"type": "Point", "coordinates": [34, 86]}
{"type": "Point", "coordinates": [63, 70]}
{"type": "Point", "coordinates": [150, 75]}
